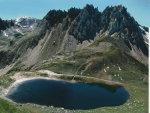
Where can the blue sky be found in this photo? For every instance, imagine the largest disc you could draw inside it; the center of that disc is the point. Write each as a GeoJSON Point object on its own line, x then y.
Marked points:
{"type": "Point", "coordinates": [10, 9]}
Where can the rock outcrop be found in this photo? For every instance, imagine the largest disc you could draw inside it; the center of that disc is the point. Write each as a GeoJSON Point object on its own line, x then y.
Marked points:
{"type": "Point", "coordinates": [63, 32]}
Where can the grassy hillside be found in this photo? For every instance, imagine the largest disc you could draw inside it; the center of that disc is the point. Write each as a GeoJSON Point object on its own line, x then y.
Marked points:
{"type": "Point", "coordinates": [7, 107]}
{"type": "Point", "coordinates": [106, 58]}
{"type": "Point", "coordinates": [113, 63]}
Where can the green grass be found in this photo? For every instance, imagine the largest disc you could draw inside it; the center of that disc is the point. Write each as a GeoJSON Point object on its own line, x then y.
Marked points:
{"type": "Point", "coordinates": [133, 75]}
{"type": "Point", "coordinates": [5, 81]}
{"type": "Point", "coordinates": [43, 74]}
{"type": "Point", "coordinates": [93, 64]}
{"type": "Point", "coordinates": [132, 78]}
{"type": "Point", "coordinates": [46, 109]}
{"type": "Point", "coordinates": [7, 107]}
{"type": "Point", "coordinates": [138, 102]}
{"type": "Point", "coordinates": [15, 68]}
{"type": "Point", "coordinates": [62, 66]}
{"type": "Point", "coordinates": [85, 53]}
{"type": "Point", "coordinates": [115, 40]}
{"type": "Point", "coordinates": [101, 39]}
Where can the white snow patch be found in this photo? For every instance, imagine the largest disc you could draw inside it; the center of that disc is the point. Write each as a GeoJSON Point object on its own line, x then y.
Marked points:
{"type": "Point", "coordinates": [119, 68]}
{"type": "Point", "coordinates": [5, 34]}
{"type": "Point", "coordinates": [19, 31]}
{"type": "Point", "coordinates": [121, 78]}
{"type": "Point", "coordinates": [105, 70]}
{"type": "Point", "coordinates": [145, 36]}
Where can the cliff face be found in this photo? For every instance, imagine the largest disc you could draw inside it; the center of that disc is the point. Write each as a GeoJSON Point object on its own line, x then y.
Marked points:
{"type": "Point", "coordinates": [89, 24]}
{"type": "Point", "coordinates": [86, 24]}
{"type": "Point", "coordinates": [62, 32]}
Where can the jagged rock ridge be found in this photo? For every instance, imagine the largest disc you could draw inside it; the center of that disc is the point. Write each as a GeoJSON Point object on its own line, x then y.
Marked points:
{"type": "Point", "coordinates": [63, 32]}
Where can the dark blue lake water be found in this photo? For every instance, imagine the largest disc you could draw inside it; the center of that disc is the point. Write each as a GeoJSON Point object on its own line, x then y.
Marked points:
{"type": "Point", "coordinates": [64, 94]}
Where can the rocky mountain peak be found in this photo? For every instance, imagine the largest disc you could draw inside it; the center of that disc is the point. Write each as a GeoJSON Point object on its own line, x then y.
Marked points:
{"type": "Point", "coordinates": [67, 30]}
{"type": "Point", "coordinates": [90, 9]}
{"type": "Point", "coordinates": [86, 24]}
{"type": "Point", "coordinates": [116, 18]}
{"type": "Point", "coordinates": [55, 16]}
{"type": "Point", "coordinates": [26, 22]}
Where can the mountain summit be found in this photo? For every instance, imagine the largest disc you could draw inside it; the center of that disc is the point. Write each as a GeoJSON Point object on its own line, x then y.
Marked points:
{"type": "Point", "coordinates": [79, 30]}
{"type": "Point", "coordinates": [113, 21]}
{"type": "Point", "coordinates": [26, 22]}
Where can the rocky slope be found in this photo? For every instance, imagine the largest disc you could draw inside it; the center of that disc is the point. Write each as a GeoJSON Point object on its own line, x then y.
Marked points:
{"type": "Point", "coordinates": [85, 36]}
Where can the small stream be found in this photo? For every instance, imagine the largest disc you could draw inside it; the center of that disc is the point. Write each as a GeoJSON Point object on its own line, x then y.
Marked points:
{"type": "Point", "coordinates": [59, 93]}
